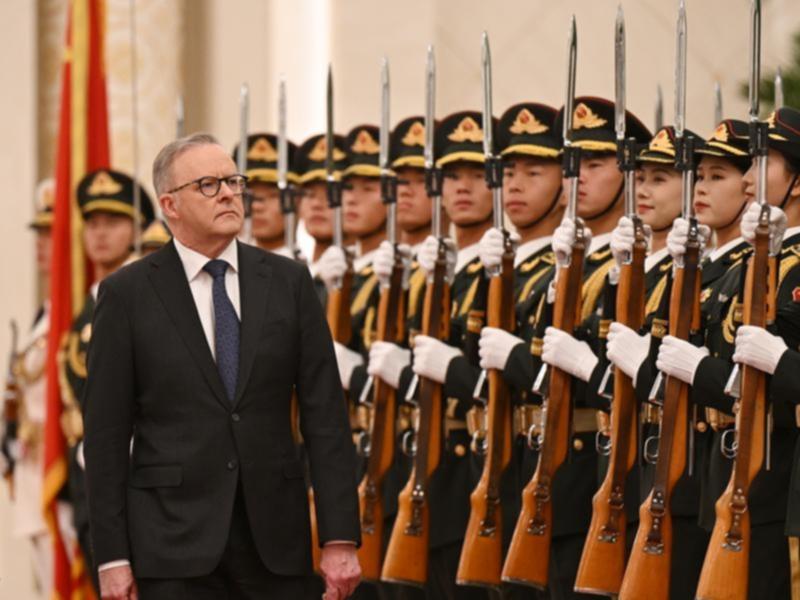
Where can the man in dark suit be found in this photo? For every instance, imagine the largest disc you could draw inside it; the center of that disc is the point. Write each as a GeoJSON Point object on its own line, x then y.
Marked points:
{"type": "Point", "coordinates": [195, 489]}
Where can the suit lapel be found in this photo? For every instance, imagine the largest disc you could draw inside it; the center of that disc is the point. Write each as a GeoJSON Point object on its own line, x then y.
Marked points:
{"type": "Point", "coordinates": [254, 278]}
{"type": "Point", "coordinates": [169, 280]}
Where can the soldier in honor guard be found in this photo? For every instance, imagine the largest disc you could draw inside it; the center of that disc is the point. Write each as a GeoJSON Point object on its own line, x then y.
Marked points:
{"type": "Point", "coordinates": [262, 189]}
{"type": "Point", "coordinates": [600, 205]}
{"type": "Point", "coordinates": [106, 200]}
{"type": "Point", "coordinates": [23, 440]}
{"type": "Point", "coordinates": [313, 208]}
{"type": "Point", "coordinates": [156, 236]}
{"type": "Point", "coordinates": [467, 202]}
{"type": "Point", "coordinates": [772, 494]}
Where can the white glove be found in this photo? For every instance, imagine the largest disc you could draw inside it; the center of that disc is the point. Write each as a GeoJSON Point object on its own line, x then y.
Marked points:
{"type": "Point", "coordinates": [347, 360]}
{"type": "Point", "coordinates": [387, 361]}
{"type": "Point", "coordinates": [492, 246]}
{"type": "Point", "coordinates": [679, 358]}
{"type": "Point", "coordinates": [495, 346]}
{"type": "Point", "coordinates": [757, 347]}
{"type": "Point", "coordinates": [564, 238]}
{"type": "Point", "coordinates": [622, 239]}
{"type": "Point", "coordinates": [627, 349]}
{"type": "Point", "coordinates": [426, 257]}
{"type": "Point", "coordinates": [332, 266]}
{"type": "Point", "coordinates": [383, 263]}
{"type": "Point", "coordinates": [432, 357]}
{"type": "Point", "coordinates": [562, 350]}
{"type": "Point", "coordinates": [679, 234]}
{"type": "Point", "coordinates": [777, 226]}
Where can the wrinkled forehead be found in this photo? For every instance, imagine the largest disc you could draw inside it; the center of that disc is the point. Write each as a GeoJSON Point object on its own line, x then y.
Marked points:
{"type": "Point", "coordinates": [199, 161]}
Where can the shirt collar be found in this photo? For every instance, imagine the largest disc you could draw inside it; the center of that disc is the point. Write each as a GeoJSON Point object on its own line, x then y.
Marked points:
{"type": "Point", "coordinates": [598, 241]}
{"type": "Point", "coordinates": [465, 256]}
{"type": "Point", "coordinates": [655, 258]}
{"type": "Point", "coordinates": [530, 248]}
{"type": "Point", "coordinates": [722, 250]}
{"type": "Point", "coordinates": [363, 260]}
{"type": "Point", "coordinates": [193, 261]}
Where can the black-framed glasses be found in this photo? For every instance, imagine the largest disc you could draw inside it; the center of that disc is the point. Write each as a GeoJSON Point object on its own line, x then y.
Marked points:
{"type": "Point", "coordinates": [209, 185]}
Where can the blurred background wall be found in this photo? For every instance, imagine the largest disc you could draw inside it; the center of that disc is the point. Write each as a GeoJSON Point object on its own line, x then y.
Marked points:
{"type": "Point", "coordinates": [205, 49]}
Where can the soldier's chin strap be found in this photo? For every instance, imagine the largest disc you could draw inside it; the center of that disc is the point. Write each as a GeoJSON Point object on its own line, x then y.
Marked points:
{"type": "Point", "coordinates": [787, 195]}
{"type": "Point", "coordinates": [550, 209]}
{"type": "Point", "coordinates": [610, 207]}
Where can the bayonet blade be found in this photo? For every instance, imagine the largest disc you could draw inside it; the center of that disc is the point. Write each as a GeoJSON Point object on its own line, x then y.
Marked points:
{"type": "Point", "coordinates": [179, 117]}
{"type": "Point", "coordinates": [383, 137]}
{"type": "Point", "coordinates": [244, 110]}
{"type": "Point", "coordinates": [569, 102]}
{"type": "Point", "coordinates": [658, 120]}
{"type": "Point", "coordinates": [619, 74]}
{"type": "Point", "coordinates": [329, 142]}
{"type": "Point", "coordinates": [430, 106]}
{"type": "Point", "coordinates": [486, 77]}
{"type": "Point", "coordinates": [779, 101]}
{"type": "Point", "coordinates": [283, 147]}
{"type": "Point", "coordinates": [755, 58]}
{"type": "Point", "coordinates": [680, 71]}
{"type": "Point", "coordinates": [717, 103]}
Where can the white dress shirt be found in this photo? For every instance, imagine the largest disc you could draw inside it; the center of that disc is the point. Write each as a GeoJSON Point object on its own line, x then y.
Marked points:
{"type": "Point", "coordinates": [201, 284]}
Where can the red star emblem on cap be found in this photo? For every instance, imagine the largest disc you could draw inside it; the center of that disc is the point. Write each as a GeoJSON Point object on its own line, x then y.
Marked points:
{"type": "Point", "coordinates": [796, 294]}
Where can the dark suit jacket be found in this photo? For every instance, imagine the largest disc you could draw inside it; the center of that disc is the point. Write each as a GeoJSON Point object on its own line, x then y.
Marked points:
{"type": "Point", "coordinates": [167, 505]}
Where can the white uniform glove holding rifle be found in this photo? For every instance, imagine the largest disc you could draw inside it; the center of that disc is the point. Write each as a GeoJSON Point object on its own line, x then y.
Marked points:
{"type": "Point", "coordinates": [563, 240]}
{"type": "Point", "coordinates": [432, 357]}
{"type": "Point", "coordinates": [495, 346]}
{"type": "Point", "coordinates": [347, 360]}
{"type": "Point", "coordinates": [426, 257]}
{"type": "Point", "coordinates": [622, 240]}
{"type": "Point", "coordinates": [332, 266]}
{"type": "Point", "coordinates": [757, 347]}
{"type": "Point", "coordinates": [562, 350]}
{"type": "Point", "coordinates": [678, 358]}
{"type": "Point", "coordinates": [383, 263]}
{"type": "Point", "coordinates": [777, 226]}
{"type": "Point", "coordinates": [679, 235]}
{"type": "Point", "coordinates": [492, 246]}
{"type": "Point", "coordinates": [387, 361]}
{"type": "Point", "coordinates": [627, 349]}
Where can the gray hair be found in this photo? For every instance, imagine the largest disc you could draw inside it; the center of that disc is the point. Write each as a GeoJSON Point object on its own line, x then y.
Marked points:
{"type": "Point", "coordinates": [162, 165]}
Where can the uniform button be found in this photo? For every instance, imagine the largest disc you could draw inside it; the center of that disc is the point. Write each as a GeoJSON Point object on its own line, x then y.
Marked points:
{"type": "Point", "coordinates": [236, 418]}
{"type": "Point", "coordinates": [460, 450]}
{"type": "Point", "coordinates": [577, 443]}
{"type": "Point", "coordinates": [702, 426]}
{"type": "Point", "coordinates": [232, 464]}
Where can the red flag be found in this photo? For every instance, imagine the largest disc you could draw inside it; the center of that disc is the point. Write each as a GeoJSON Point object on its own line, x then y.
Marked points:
{"type": "Point", "coordinates": [83, 145]}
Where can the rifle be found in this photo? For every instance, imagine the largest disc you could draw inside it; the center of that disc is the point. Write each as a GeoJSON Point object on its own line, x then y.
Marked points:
{"type": "Point", "coordinates": [11, 401]}
{"type": "Point", "coordinates": [717, 104]}
{"type": "Point", "coordinates": [407, 554]}
{"type": "Point", "coordinates": [658, 119]}
{"type": "Point", "coordinates": [338, 307]}
{"type": "Point", "coordinates": [391, 326]}
{"type": "Point", "coordinates": [650, 562]}
{"type": "Point", "coordinates": [482, 551]}
{"type": "Point", "coordinates": [603, 560]}
{"type": "Point", "coordinates": [241, 162]}
{"type": "Point", "coordinates": [725, 570]}
{"type": "Point", "coordinates": [528, 557]}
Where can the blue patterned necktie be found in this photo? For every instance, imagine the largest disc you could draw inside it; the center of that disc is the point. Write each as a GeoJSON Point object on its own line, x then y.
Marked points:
{"type": "Point", "coordinates": [226, 328]}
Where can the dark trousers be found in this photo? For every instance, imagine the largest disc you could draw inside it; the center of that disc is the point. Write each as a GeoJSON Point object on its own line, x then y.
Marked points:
{"type": "Point", "coordinates": [240, 574]}
{"type": "Point", "coordinates": [770, 568]}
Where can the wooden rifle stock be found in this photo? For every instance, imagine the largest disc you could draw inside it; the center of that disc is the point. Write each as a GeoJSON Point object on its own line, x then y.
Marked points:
{"type": "Point", "coordinates": [338, 309]}
{"type": "Point", "coordinates": [528, 557]}
{"type": "Point", "coordinates": [725, 570]}
{"type": "Point", "coordinates": [647, 575]}
{"type": "Point", "coordinates": [603, 560]}
{"type": "Point", "coordinates": [406, 558]}
{"type": "Point", "coordinates": [391, 325]}
{"type": "Point", "coordinates": [482, 551]}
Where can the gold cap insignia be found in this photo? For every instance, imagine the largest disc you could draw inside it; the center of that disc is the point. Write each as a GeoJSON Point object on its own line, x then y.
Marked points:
{"type": "Point", "coordinates": [720, 133]}
{"type": "Point", "coordinates": [468, 130]}
{"type": "Point", "coordinates": [415, 136]}
{"type": "Point", "coordinates": [48, 197]}
{"type": "Point", "coordinates": [771, 120]}
{"type": "Point", "coordinates": [365, 143]}
{"type": "Point", "coordinates": [662, 143]}
{"type": "Point", "coordinates": [262, 150]}
{"type": "Point", "coordinates": [585, 117]}
{"type": "Point", "coordinates": [526, 122]}
{"type": "Point", "coordinates": [103, 185]}
{"type": "Point", "coordinates": [320, 149]}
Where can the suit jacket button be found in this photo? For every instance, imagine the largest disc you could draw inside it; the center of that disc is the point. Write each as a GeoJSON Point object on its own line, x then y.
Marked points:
{"type": "Point", "coordinates": [232, 464]}
{"type": "Point", "coordinates": [236, 418]}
